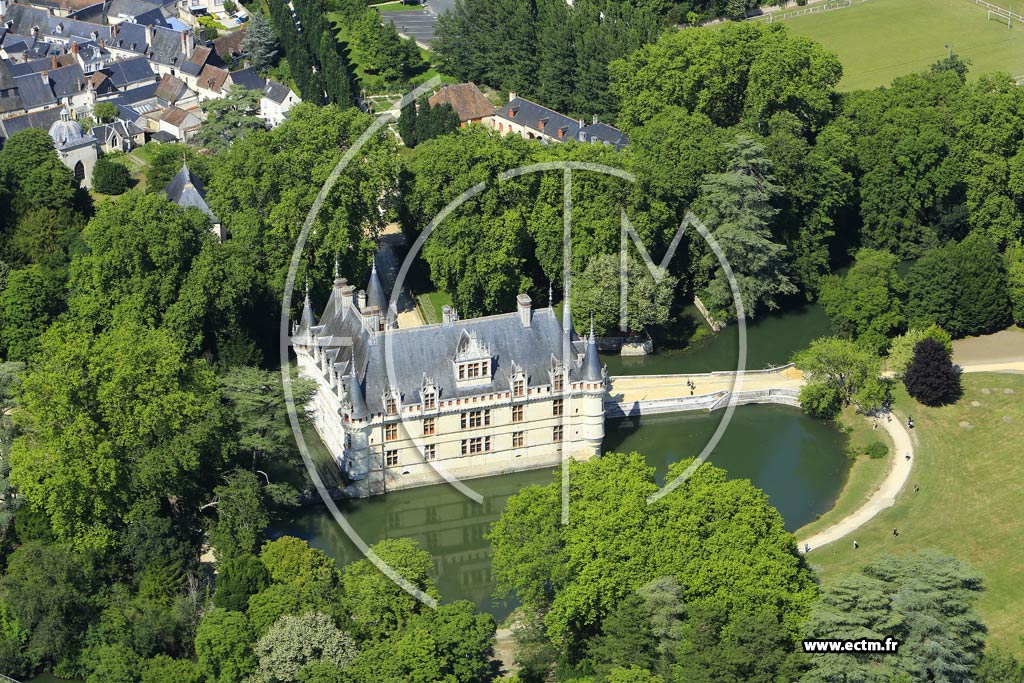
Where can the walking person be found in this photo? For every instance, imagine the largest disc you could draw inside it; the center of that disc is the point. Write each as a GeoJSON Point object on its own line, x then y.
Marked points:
{"type": "Point", "coordinates": [856, 545]}
{"type": "Point", "coordinates": [895, 532]}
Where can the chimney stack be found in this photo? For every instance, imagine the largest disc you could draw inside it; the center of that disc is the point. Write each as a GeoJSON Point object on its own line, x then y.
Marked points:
{"type": "Point", "coordinates": [595, 119]}
{"type": "Point", "coordinates": [113, 31]}
{"type": "Point", "coordinates": [74, 48]}
{"type": "Point", "coordinates": [448, 315]}
{"type": "Point", "coordinates": [347, 292]}
{"type": "Point", "coordinates": [46, 77]}
{"type": "Point", "coordinates": [361, 300]}
{"type": "Point", "coordinates": [102, 44]}
{"type": "Point", "coordinates": [512, 94]}
{"type": "Point", "coordinates": [525, 307]}
{"type": "Point", "coordinates": [149, 35]}
{"type": "Point", "coordinates": [53, 62]}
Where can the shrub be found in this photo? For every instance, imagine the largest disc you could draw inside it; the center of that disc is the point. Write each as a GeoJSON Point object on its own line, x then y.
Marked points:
{"type": "Point", "coordinates": [110, 177]}
{"type": "Point", "coordinates": [931, 377]}
{"type": "Point", "coordinates": [876, 450]}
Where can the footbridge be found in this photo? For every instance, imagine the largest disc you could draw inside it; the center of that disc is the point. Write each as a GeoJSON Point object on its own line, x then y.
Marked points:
{"type": "Point", "coordinates": [635, 395]}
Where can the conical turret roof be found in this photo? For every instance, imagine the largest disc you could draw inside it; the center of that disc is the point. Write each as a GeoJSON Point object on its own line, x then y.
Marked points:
{"type": "Point", "coordinates": [591, 361]}
{"type": "Point", "coordinates": [375, 291]}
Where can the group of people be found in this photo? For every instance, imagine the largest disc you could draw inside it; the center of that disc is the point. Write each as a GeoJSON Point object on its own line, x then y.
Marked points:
{"type": "Point", "coordinates": [692, 385]}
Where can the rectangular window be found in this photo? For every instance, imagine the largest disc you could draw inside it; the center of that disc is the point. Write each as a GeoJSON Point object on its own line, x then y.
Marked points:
{"type": "Point", "coordinates": [485, 369]}
{"type": "Point", "coordinates": [556, 407]}
{"type": "Point", "coordinates": [390, 432]}
{"type": "Point", "coordinates": [476, 445]}
{"type": "Point", "coordinates": [391, 458]}
{"type": "Point", "coordinates": [430, 401]}
{"type": "Point", "coordinates": [517, 439]}
{"type": "Point", "coordinates": [462, 371]}
{"type": "Point", "coordinates": [428, 426]}
{"type": "Point", "coordinates": [559, 382]}
{"type": "Point", "coordinates": [475, 419]}
{"type": "Point", "coordinates": [517, 414]}
{"type": "Point", "coordinates": [556, 433]}
{"type": "Point", "coordinates": [391, 405]}
{"type": "Point", "coordinates": [430, 451]}
{"type": "Point", "coordinates": [518, 388]}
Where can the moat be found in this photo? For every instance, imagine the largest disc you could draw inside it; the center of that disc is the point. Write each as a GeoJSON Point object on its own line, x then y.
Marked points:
{"type": "Point", "coordinates": [799, 462]}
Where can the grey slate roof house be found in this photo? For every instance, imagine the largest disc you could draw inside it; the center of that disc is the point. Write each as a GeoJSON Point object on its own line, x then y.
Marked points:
{"type": "Point", "coordinates": [186, 191]}
{"type": "Point", "coordinates": [120, 135]}
{"type": "Point", "coordinates": [536, 122]}
{"type": "Point", "coordinates": [130, 73]}
{"type": "Point", "coordinates": [482, 396]}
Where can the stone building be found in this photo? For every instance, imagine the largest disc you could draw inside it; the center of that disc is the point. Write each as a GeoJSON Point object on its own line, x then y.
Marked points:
{"type": "Point", "coordinates": [77, 150]}
{"type": "Point", "coordinates": [400, 408]}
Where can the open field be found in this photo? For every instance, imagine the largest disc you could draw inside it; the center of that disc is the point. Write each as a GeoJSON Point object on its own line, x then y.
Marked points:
{"type": "Point", "coordinates": [881, 39]}
{"type": "Point", "coordinates": [971, 473]}
{"type": "Point", "coordinates": [865, 476]}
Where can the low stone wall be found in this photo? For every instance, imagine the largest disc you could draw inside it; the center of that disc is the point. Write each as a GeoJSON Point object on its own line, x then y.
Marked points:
{"type": "Point", "coordinates": [707, 402]}
{"type": "Point", "coordinates": [626, 346]}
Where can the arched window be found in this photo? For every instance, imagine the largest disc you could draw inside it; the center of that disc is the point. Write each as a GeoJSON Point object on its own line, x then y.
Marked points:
{"type": "Point", "coordinates": [79, 171]}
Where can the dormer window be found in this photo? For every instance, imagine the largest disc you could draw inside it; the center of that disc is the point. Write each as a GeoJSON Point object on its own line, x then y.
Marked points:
{"type": "Point", "coordinates": [518, 381]}
{"type": "Point", "coordinates": [428, 392]}
{"type": "Point", "coordinates": [390, 402]}
{"type": "Point", "coordinates": [541, 123]}
{"type": "Point", "coordinates": [513, 111]}
{"type": "Point", "coordinates": [558, 382]}
{"type": "Point", "coordinates": [472, 361]}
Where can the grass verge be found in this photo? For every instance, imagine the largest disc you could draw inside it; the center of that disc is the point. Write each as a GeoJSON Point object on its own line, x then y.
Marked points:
{"type": "Point", "coordinates": [971, 474]}
{"type": "Point", "coordinates": [430, 306]}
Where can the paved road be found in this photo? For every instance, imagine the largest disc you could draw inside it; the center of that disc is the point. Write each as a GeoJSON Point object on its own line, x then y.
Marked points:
{"type": "Point", "coordinates": [418, 24]}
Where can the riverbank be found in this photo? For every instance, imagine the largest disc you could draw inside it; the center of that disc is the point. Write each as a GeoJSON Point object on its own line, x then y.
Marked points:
{"type": "Point", "coordinates": [971, 479]}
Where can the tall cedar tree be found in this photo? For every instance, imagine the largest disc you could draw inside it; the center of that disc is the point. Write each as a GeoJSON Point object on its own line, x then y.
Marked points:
{"type": "Point", "coordinates": [407, 124]}
{"type": "Point", "coordinates": [931, 377]}
{"type": "Point", "coordinates": [986, 305]}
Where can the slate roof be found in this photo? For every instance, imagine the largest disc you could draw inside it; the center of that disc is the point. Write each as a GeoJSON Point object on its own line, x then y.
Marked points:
{"type": "Point", "coordinates": [131, 8]}
{"type": "Point", "coordinates": [39, 119]}
{"type": "Point", "coordinates": [248, 79]}
{"type": "Point", "coordinates": [603, 133]}
{"type": "Point", "coordinates": [109, 133]}
{"type": "Point", "coordinates": [136, 95]}
{"type": "Point", "coordinates": [67, 81]}
{"type": "Point", "coordinates": [427, 351]}
{"type": "Point", "coordinates": [34, 92]}
{"type": "Point", "coordinates": [540, 119]}
{"type": "Point", "coordinates": [6, 76]}
{"type": "Point", "coordinates": [39, 65]}
{"type": "Point", "coordinates": [131, 71]}
{"type": "Point", "coordinates": [16, 46]}
{"type": "Point", "coordinates": [166, 46]}
{"type": "Point", "coordinates": [186, 190]}
{"type": "Point", "coordinates": [178, 117]}
{"type": "Point", "coordinates": [466, 99]}
{"type": "Point", "coordinates": [275, 91]}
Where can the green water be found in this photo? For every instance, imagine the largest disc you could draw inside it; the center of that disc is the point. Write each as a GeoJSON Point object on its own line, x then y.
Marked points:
{"type": "Point", "coordinates": [797, 461]}
{"type": "Point", "coordinates": [772, 339]}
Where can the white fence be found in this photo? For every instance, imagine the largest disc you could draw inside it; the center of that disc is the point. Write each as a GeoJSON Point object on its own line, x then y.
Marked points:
{"type": "Point", "coordinates": [715, 373]}
{"type": "Point", "coordinates": [769, 17]}
{"type": "Point", "coordinates": [1001, 11]}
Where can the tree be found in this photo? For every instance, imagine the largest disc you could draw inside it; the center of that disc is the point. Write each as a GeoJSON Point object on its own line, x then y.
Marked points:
{"type": "Point", "coordinates": [112, 664]}
{"type": "Point", "coordinates": [163, 669]}
{"type": "Point", "coordinates": [436, 121]}
{"type": "Point", "coordinates": [735, 206]}
{"type": "Point", "coordinates": [229, 118]}
{"type": "Point", "coordinates": [925, 598]}
{"type": "Point", "coordinates": [260, 43]}
{"type": "Point", "coordinates": [452, 643]}
{"type": "Point", "coordinates": [627, 639]}
{"type": "Point", "coordinates": [32, 299]}
{"type": "Point", "coordinates": [408, 124]}
{"type": "Point", "coordinates": [376, 605]}
{"type": "Point", "coordinates": [998, 666]}
{"type": "Point", "coordinates": [615, 543]}
{"type": "Point", "coordinates": [839, 372]}
{"type": "Point", "coordinates": [867, 303]}
{"type": "Point", "coordinates": [110, 177]}
{"type": "Point", "coordinates": [105, 112]}
{"type": "Point", "coordinates": [45, 595]}
{"type": "Point", "coordinates": [224, 646]}
{"type": "Point", "coordinates": [935, 291]}
{"type": "Point", "coordinates": [597, 290]}
{"type": "Point", "coordinates": [241, 515]}
{"type": "Point", "coordinates": [112, 418]}
{"type": "Point", "coordinates": [291, 561]}
{"type": "Point", "coordinates": [952, 62]}
{"type": "Point", "coordinates": [294, 642]}
{"type": "Point", "coordinates": [29, 165]}
{"type": "Point", "coordinates": [140, 249]}
{"type": "Point", "coordinates": [931, 377]}
{"type": "Point", "coordinates": [1015, 280]}
{"type": "Point", "coordinates": [901, 352]}
{"type": "Point", "coordinates": [237, 580]}
{"type": "Point", "coordinates": [985, 306]}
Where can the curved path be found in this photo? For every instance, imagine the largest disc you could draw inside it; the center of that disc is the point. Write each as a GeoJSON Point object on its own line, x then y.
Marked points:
{"type": "Point", "coordinates": [882, 498]}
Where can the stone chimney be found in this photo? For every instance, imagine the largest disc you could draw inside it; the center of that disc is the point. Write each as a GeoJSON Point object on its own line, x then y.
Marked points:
{"type": "Point", "coordinates": [187, 44]}
{"type": "Point", "coordinates": [102, 44]}
{"type": "Point", "coordinates": [53, 62]}
{"type": "Point", "coordinates": [361, 300]}
{"type": "Point", "coordinates": [149, 35]}
{"type": "Point", "coordinates": [596, 121]}
{"type": "Point", "coordinates": [512, 94]}
{"type": "Point", "coordinates": [347, 292]}
{"type": "Point", "coordinates": [113, 31]}
{"type": "Point", "coordinates": [74, 49]}
{"type": "Point", "coordinates": [448, 315]}
{"type": "Point", "coordinates": [46, 77]}
{"type": "Point", "coordinates": [525, 308]}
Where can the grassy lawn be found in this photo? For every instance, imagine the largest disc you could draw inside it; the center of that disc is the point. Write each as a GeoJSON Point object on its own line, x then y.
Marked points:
{"type": "Point", "coordinates": [881, 39]}
{"type": "Point", "coordinates": [865, 475]}
{"type": "Point", "coordinates": [430, 305]}
{"type": "Point", "coordinates": [971, 473]}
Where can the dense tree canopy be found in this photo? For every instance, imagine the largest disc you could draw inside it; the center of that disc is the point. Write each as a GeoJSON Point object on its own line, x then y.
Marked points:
{"type": "Point", "coordinates": [867, 303]}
